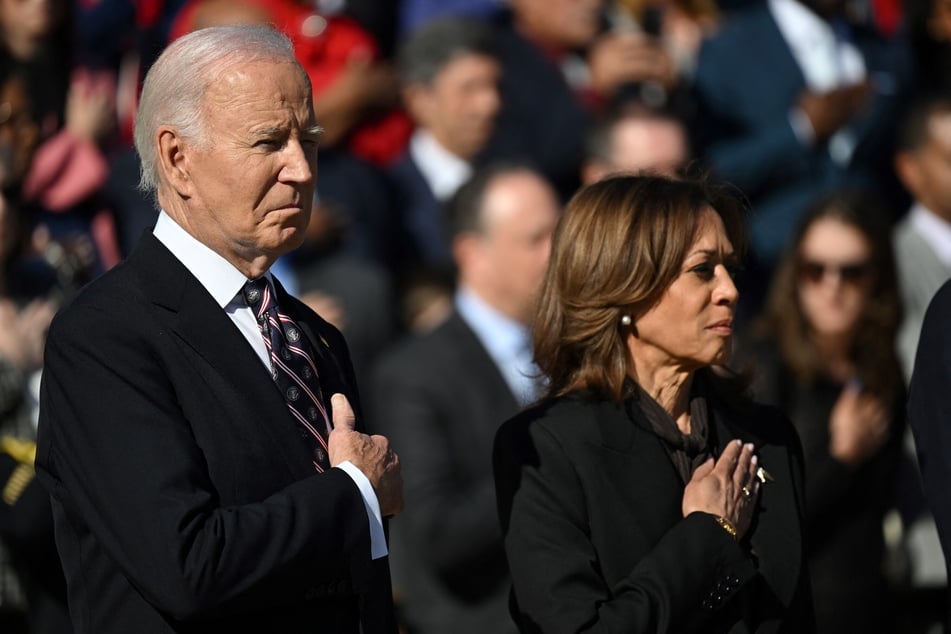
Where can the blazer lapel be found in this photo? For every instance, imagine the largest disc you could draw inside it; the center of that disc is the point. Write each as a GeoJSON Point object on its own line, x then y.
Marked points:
{"type": "Point", "coordinates": [632, 455]}
{"type": "Point", "coordinates": [202, 325]}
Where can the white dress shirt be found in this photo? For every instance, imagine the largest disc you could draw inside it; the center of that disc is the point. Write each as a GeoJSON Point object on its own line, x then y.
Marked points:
{"type": "Point", "coordinates": [224, 283]}
{"type": "Point", "coordinates": [507, 341]}
{"type": "Point", "coordinates": [442, 170]}
{"type": "Point", "coordinates": [934, 230]}
{"type": "Point", "coordinates": [827, 62]}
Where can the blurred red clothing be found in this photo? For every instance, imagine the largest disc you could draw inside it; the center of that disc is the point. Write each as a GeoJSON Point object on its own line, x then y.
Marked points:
{"type": "Point", "coordinates": [324, 45]}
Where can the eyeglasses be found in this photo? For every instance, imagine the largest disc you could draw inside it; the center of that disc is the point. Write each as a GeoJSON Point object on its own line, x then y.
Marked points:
{"type": "Point", "coordinates": [849, 272]}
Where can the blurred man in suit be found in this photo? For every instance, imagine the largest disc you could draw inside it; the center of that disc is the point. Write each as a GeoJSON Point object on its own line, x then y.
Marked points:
{"type": "Point", "coordinates": [196, 432]}
{"type": "Point", "coordinates": [442, 395]}
{"type": "Point", "coordinates": [922, 239]}
{"type": "Point", "coordinates": [795, 99]}
{"type": "Point", "coordinates": [449, 78]}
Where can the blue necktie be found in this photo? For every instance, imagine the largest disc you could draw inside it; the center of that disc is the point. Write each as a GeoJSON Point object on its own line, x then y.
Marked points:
{"type": "Point", "coordinates": [292, 368]}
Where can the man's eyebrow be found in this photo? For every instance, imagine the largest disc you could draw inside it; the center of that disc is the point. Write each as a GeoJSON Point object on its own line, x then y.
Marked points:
{"type": "Point", "coordinates": [268, 131]}
{"type": "Point", "coordinates": [314, 130]}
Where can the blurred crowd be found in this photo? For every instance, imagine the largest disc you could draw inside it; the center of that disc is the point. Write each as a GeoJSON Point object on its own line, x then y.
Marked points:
{"type": "Point", "coordinates": [454, 130]}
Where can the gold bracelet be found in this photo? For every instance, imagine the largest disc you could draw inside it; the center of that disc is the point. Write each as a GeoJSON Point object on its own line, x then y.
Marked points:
{"type": "Point", "coordinates": [728, 526]}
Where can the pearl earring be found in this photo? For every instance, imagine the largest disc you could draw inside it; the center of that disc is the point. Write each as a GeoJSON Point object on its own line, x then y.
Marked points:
{"type": "Point", "coordinates": [625, 320]}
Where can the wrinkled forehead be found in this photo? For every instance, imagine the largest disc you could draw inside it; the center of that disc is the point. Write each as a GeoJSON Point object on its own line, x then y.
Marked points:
{"type": "Point", "coordinates": [272, 84]}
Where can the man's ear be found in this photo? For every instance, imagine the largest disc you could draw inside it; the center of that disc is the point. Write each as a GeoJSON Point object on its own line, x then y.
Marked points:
{"type": "Point", "coordinates": [418, 102]}
{"type": "Point", "coordinates": [172, 160]}
{"type": "Point", "coordinates": [906, 167]}
{"type": "Point", "coordinates": [465, 250]}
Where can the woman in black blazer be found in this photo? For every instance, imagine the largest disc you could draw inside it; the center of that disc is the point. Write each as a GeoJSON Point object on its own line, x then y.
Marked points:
{"type": "Point", "coordinates": [644, 493]}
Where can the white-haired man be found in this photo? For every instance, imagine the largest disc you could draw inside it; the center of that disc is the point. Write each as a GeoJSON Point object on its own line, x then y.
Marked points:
{"type": "Point", "coordinates": [196, 435]}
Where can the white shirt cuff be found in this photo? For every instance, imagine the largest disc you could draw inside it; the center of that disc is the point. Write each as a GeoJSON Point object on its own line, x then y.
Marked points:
{"type": "Point", "coordinates": [377, 538]}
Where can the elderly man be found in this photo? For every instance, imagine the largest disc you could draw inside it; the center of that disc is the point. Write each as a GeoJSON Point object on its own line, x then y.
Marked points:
{"type": "Point", "coordinates": [196, 435]}
{"type": "Point", "coordinates": [442, 396]}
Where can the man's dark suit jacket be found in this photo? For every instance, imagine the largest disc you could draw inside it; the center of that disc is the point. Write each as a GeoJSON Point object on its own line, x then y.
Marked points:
{"type": "Point", "coordinates": [929, 413]}
{"type": "Point", "coordinates": [747, 82]}
{"type": "Point", "coordinates": [183, 496]}
{"type": "Point", "coordinates": [440, 399]}
{"type": "Point", "coordinates": [422, 225]}
{"type": "Point", "coordinates": [590, 504]}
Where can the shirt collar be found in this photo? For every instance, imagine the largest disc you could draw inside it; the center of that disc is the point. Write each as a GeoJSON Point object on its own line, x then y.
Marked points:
{"type": "Point", "coordinates": [501, 336]}
{"type": "Point", "coordinates": [442, 170]}
{"type": "Point", "coordinates": [934, 230]}
{"type": "Point", "coordinates": [219, 277]}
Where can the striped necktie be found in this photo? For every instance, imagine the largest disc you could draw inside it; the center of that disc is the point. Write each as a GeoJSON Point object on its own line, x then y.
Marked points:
{"type": "Point", "coordinates": [292, 368]}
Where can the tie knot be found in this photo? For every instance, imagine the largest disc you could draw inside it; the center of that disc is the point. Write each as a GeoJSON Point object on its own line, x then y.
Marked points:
{"type": "Point", "coordinates": [257, 294]}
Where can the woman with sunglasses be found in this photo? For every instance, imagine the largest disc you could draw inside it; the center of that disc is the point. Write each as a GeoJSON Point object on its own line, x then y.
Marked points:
{"type": "Point", "coordinates": [825, 354]}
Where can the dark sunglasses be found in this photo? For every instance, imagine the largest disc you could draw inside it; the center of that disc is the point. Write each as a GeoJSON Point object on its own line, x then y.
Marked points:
{"type": "Point", "coordinates": [848, 272]}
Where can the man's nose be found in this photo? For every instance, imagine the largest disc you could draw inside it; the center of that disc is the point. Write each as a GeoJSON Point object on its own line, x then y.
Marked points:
{"type": "Point", "coordinates": [300, 163]}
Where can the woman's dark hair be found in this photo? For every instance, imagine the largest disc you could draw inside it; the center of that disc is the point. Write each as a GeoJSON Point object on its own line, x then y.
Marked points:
{"type": "Point", "coordinates": [619, 245]}
{"type": "Point", "coordinates": [873, 345]}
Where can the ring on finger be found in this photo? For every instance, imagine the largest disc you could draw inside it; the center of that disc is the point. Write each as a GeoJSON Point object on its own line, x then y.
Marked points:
{"type": "Point", "coordinates": [747, 493]}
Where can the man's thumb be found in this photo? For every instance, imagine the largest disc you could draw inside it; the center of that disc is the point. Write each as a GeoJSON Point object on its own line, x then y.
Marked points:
{"type": "Point", "coordinates": [343, 416]}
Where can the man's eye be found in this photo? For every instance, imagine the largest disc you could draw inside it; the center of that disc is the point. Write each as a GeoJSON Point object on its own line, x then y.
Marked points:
{"type": "Point", "coordinates": [268, 143]}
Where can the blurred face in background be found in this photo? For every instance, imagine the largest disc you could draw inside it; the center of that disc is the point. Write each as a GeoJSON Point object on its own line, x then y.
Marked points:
{"type": "Point", "coordinates": [835, 277]}
{"type": "Point", "coordinates": [18, 132]}
{"type": "Point", "coordinates": [505, 262]}
{"type": "Point", "coordinates": [560, 23]}
{"type": "Point", "coordinates": [26, 20]}
{"type": "Point", "coordinates": [460, 105]}
{"type": "Point", "coordinates": [940, 22]}
{"type": "Point", "coordinates": [654, 144]}
{"type": "Point", "coordinates": [926, 171]}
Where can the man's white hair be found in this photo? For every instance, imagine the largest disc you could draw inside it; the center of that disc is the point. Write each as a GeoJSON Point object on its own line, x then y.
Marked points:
{"type": "Point", "coordinates": [174, 89]}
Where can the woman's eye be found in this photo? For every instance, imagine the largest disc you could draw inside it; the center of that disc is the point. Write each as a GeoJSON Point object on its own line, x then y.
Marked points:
{"type": "Point", "coordinates": [733, 269]}
{"type": "Point", "coordinates": [704, 271]}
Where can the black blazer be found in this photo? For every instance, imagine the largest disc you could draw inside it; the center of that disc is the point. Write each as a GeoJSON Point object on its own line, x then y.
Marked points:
{"type": "Point", "coordinates": [183, 496]}
{"type": "Point", "coordinates": [590, 504]}
{"type": "Point", "coordinates": [929, 410]}
{"type": "Point", "coordinates": [440, 398]}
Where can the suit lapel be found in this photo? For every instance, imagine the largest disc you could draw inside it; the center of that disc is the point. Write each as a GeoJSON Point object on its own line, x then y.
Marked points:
{"type": "Point", "coordinates": [201, 324]}
{"type": "Point", "coordinates": [633, 456]}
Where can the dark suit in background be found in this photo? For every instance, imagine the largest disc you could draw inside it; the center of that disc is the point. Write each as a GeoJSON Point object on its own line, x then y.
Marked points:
{"type": "Point", "coordinates": [422, 226]}
{"type": "Point", "coordinates": [440, 398]}
{"type": "Point", "coordinates": [747, 84]}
